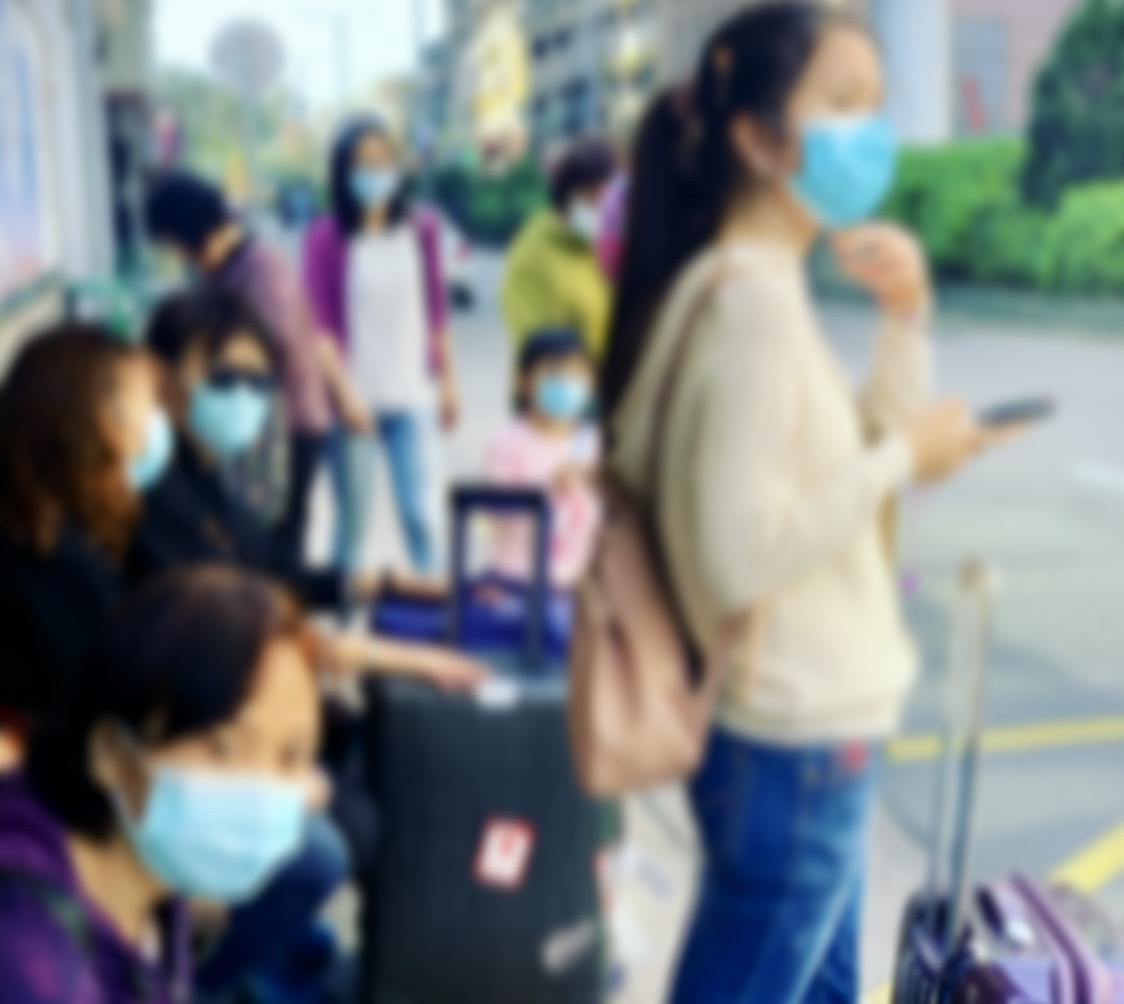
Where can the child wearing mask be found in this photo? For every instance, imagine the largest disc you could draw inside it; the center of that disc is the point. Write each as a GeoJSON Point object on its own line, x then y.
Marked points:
{"type": "Point", "coordinates": [550, 445]}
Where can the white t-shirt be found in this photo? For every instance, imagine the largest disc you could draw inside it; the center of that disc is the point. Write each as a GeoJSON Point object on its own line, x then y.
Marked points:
{"type": "Point", "coordinates": [389, 343]}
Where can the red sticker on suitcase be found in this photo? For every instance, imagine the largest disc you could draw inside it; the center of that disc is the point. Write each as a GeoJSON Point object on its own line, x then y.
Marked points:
{"type": "Point", "coordinates": [505, 854]}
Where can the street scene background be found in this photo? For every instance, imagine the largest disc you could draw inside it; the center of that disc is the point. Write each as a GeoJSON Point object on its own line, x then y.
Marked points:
{"type": "Point", "coordinates": [1012, 175]}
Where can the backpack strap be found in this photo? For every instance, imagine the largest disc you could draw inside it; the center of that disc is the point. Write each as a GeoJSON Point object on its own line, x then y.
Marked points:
{"type": "Point", "coordinates": [685, 337]}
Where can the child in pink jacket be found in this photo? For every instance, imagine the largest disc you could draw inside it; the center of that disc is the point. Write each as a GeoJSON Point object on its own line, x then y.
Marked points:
{"type": "Point", "coordinates": [550, 444]}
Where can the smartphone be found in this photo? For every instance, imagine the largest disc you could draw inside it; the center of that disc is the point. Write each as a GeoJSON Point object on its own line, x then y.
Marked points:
{"type": "Point", "coordinates": [1021, 412]}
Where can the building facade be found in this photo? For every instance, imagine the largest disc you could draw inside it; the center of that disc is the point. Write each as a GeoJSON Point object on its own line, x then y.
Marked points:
{"type": "Point", "coordinates": [594, 63]}
{"type": "Point", "coordinates": [999, 46]}
{"type": "Point", "coordinates": [54, 190]}
{"type": "Point", "coordinates": [954, 67]}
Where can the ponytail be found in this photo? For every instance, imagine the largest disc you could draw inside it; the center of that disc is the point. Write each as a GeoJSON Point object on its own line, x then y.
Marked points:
{"type": "Point", "coordinates": [669, 221]}
{"type": "Point", "coordinates": [685, 171]}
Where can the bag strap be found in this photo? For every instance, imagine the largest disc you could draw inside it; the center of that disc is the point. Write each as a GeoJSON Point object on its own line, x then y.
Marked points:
{"type": "Point", "coordinates": [685, 337]}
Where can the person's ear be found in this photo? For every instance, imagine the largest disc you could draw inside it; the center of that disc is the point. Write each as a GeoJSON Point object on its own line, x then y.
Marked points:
{"type": "Point", "coordinates": [107, 758]}
{"type": "Point", "coordinates": [525, 386]}
{"type": "Point", "coordinates": [114, 766]}
{"type": "Point", "coordinates": [192, 368]}
{"type": "Point", "coordinates": [758, 147]}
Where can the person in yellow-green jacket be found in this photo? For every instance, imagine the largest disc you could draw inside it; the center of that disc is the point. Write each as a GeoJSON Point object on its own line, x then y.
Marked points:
{"type": "Point", "coordinates": [553, 277]}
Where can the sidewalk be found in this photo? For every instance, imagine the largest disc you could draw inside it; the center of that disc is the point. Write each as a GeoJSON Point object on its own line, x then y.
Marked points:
{"type": "Point", "coordinates": [659, 890]}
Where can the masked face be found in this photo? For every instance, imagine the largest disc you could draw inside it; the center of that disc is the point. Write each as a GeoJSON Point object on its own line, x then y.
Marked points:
{"type": "Point", "coordinates": [584, 218]}
{"type": "Point", "coordinates": [848, 168]}
{"type": "Point", "coordinates": [146, 468]}
{"type": "Point", "coordinates": [835, 157]}
{"type": "Point", "coordinates": [563, 393]}
{"type": "Point", "coordinates": [139, 427]}
{"type": "Point", "coordinates": [374, 187]}
{"type": "Point", "coordinates": [216, 836]}
{"type": "Point", "coordinates": [375, 177]}
{"type": "Point", "coordinates": [229, 412]}
{"type": "Point", "coordinates": [216, 815]}
{"type": "Point", "coordinates": [231, 398]}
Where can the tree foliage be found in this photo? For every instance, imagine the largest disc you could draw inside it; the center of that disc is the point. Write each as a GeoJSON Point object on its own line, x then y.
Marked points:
{"type": "Point", "coordinates": [1077, 125]}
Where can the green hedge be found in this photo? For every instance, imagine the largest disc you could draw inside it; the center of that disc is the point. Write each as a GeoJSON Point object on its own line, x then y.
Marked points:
{"type": "Point", "coordinates": [964, 202]}
{"type": "Point", "coordinates": [1083, 249]}
{"type": "Point", "coordinates": [490, 208]}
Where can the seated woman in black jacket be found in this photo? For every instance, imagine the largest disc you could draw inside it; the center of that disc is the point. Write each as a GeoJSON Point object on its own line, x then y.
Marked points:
{"type": "Point", "coordinates": [223, 364]}
{"type": "Point", "coordinates": [82, 436]}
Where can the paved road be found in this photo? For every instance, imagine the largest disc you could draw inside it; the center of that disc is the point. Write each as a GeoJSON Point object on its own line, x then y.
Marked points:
{"type": "Point", "coordinates": [1049, 512]}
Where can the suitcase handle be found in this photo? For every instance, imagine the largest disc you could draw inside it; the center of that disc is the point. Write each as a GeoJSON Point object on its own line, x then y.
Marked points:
{"type": "Point", "coordinates": [958, 768]}
{"type": "Point", "coordinates": [471, 500]}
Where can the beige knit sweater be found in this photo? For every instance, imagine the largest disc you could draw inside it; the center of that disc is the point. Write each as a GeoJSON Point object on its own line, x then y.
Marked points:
{"type": "Point", "coordinates": [771, 497]}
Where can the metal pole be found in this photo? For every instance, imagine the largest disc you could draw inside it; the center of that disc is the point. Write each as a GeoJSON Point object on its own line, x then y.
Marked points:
{"type": "Point", "coordinates": [419, 29]}
{"type": "Point", "coordinates": [590, 58]}
{"type": "Point", "coordinates": [343, 56]}
{"type": "Point", "coordinates": [422, 103]}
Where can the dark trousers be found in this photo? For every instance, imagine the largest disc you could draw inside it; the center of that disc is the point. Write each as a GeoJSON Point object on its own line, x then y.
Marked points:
{"type": "Point", "coordinates": [308, 450]}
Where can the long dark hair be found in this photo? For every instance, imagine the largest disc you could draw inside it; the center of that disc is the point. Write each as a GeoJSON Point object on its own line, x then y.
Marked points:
{"type": "Point", "coordinates": [685, 170]}
{"type": "Point", "coordinates": [56, 462]}
{"type": "Point", "coordinates": [346, 208]}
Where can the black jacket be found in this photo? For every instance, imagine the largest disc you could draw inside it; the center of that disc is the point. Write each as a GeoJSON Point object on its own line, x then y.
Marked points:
{"type": "Point", "coordinates": [53, 607]}
{"type": "Point", "coordinates": [191, 518]}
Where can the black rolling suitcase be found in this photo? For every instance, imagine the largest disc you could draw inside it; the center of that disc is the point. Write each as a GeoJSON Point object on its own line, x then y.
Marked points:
{"type": "Point", "coordinates": [485, 889]}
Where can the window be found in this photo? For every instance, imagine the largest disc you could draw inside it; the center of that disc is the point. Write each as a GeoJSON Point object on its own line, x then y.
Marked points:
{"type": "Point", "coordinates": [981, 62]}
{"type": "Point", "coordinates": [26, 227]}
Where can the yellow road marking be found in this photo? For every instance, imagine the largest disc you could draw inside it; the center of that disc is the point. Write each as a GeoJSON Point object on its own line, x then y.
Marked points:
{"type": "Point", "coordinates": [1096, 866]}
{"type": "Point", "coordinates": [1017, 738]}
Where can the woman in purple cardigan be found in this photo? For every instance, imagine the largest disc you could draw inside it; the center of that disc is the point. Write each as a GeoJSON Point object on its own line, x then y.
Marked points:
{"type": "Point", "coordinates": [375, 277]}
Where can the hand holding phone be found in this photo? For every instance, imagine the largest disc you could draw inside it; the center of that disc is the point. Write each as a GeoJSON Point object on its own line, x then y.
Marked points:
{"type": "Point", "coordinates": [1024, 411]}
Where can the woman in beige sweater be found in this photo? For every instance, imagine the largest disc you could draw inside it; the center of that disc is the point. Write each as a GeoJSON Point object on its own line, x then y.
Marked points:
{"type": "Point", "coordinates": [777, 475]}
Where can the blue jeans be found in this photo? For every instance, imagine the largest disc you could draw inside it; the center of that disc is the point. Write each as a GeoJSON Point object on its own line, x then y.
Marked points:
{"type": "Point", "coordinates": [404, 436]}
{"type": "Point", "coordinates": [266, 931]}
{"type": "Point", "coordinates": [779, 913]}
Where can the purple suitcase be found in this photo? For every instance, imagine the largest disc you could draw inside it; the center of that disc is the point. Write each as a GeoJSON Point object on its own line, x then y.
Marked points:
{"type": "Point", "coordinates": [1014, 941]}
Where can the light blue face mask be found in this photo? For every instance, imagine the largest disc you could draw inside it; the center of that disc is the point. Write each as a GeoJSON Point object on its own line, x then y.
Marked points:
{"type": "Point", "coordinates": [563, 398]}
{"type": "Point", "coordinates": [213, 836]}
{"type": "Point", "coordinates": [146, 470]}
{"type": "Point", "coordinates": [849, 163]}
{"type": "Point", "coordinates": [228, 420]}
{"type": "Point", "coordinates": [374, 187]}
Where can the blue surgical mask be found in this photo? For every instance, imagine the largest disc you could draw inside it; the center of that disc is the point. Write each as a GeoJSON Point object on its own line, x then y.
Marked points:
{"type": "Point", "coordinates": [563, 398]}
{"type": "Point", "coordinates": [228, 420]}
{"type": "Point", "coordinates": [585, 221]}
{"type": "Point", "coordinates": [213, 836]}
{"type": "Point", "coordinates": [146, 469]}
{"type": "Point", "coordinates": [849, 163]}
{"type": "Point", "coordinates": [374, 187]}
